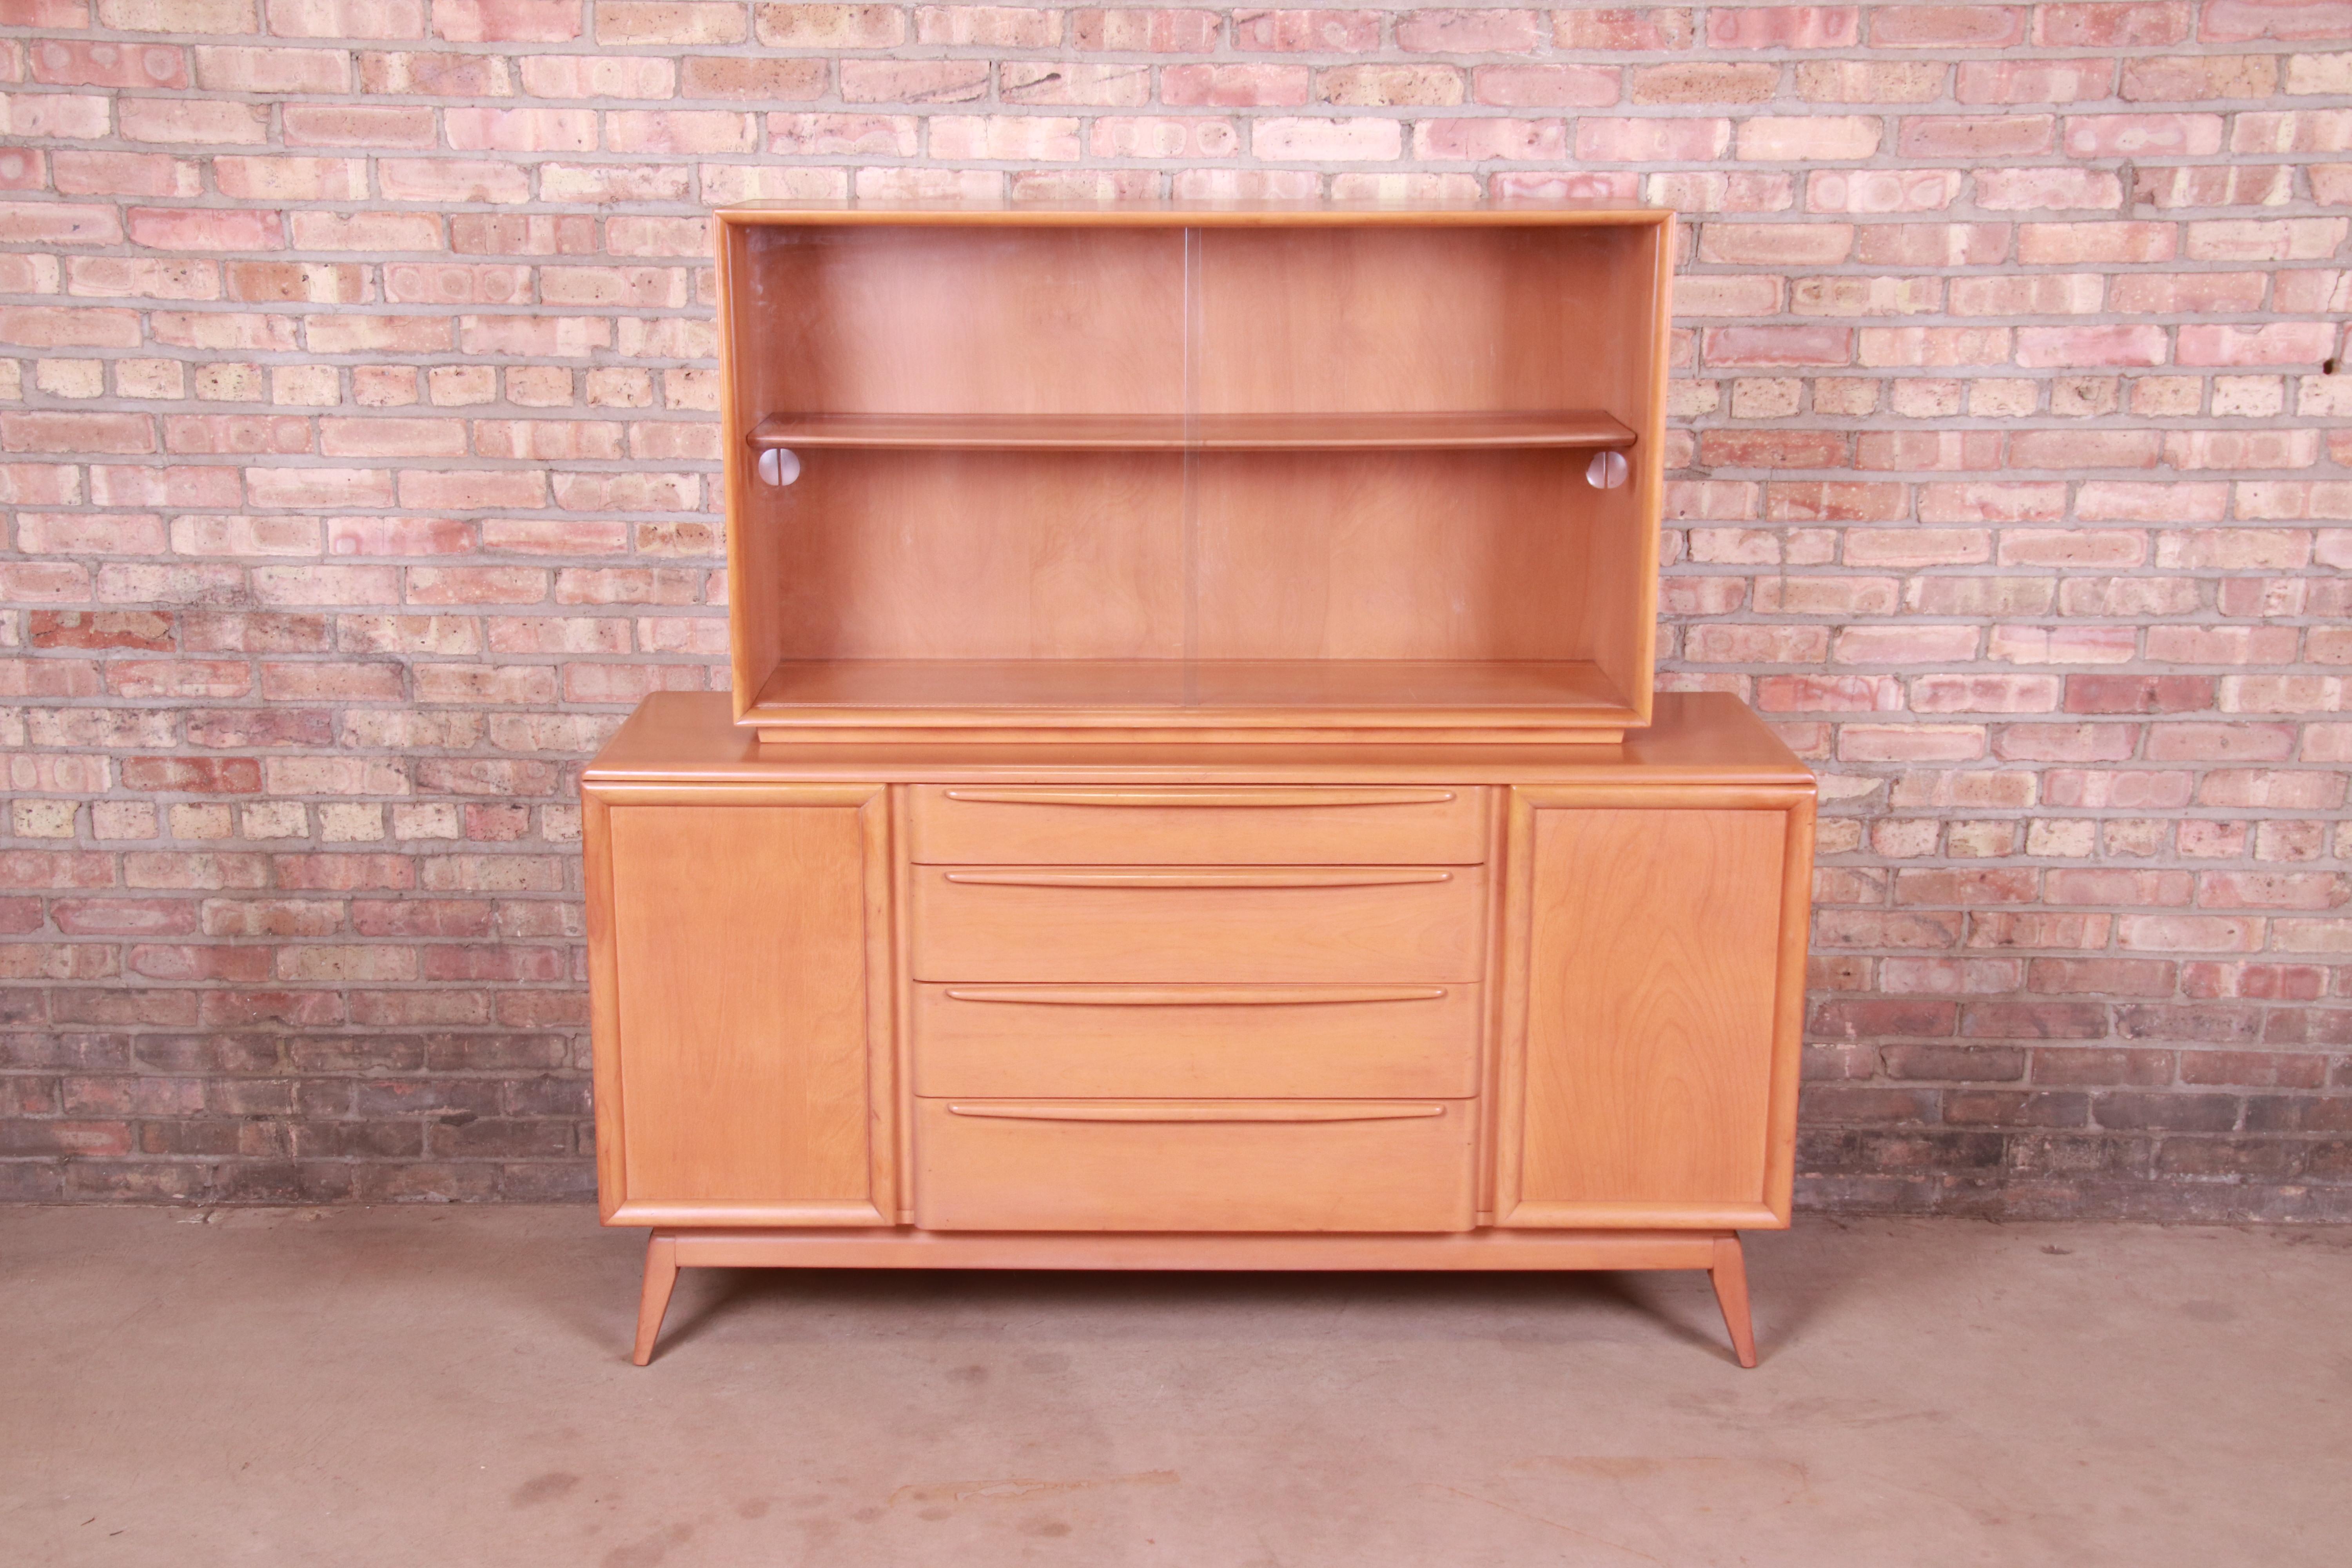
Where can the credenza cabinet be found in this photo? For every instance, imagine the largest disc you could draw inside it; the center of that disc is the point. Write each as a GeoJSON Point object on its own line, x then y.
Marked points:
{"type": "Point", "coordinates": [1191, 792]}
{"type": "Point", "coordinates": [1487, 1009]}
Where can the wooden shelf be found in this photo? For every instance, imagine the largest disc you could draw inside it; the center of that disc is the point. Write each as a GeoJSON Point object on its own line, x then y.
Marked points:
{"type": "Point", "coordinates": [806, 697]}
{"type": "Point", "coordinates": [1562, 429]}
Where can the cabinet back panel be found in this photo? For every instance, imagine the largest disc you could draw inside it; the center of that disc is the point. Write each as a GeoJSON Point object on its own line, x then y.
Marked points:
{"type": "Point", "coordinates": [1653, 959]}
{"type": "Point", "coordinates": [1424, 555]}
{"type": "Point", "coordinates": [741, 941]}
{"type": "Point", "coordinates": [979, 556]}
{"type": "Point", "coordinates": [1398, 319]}
{"type": "Point", "coordinates": [963, 321]}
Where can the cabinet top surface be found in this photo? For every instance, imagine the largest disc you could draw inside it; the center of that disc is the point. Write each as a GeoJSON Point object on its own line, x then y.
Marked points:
{"type": "Point", "coordinates": [1696, 737]}
{"type": "Point", "coordinates": [1197, 214]}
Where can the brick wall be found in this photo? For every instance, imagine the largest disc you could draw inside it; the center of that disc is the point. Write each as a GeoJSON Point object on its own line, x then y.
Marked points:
{"type": "Point", "coordinates": [359, 473]}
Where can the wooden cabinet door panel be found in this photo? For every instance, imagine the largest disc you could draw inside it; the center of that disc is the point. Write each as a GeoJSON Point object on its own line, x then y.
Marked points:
{"type": "Point", "coordinates": [1650, 947]}
{"type": "Point", "coordinates": [746, 973]}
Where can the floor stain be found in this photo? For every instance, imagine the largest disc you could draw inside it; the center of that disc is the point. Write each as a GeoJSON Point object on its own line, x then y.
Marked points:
{"type": "Point", "coordinates": [1634, 1552]}
{"type": "Point", "coordinates": [544, 1489]}
{"type": "Point", "coordinates": [935, 1493]}
{"type": "Point", "coordinates": [1704, 1474]}
{"type": "Point", "coordinates": [647, 1553]}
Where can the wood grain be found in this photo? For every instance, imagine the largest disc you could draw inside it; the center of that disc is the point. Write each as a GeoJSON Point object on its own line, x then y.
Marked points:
{"type": "Point", "coordinates": [1300, 700]}
{"type": "Point", "coordinates": [1368, 928]}
{"type": "Point", "coordinates": [677, 742]}
{"type": "Point", "coordinates": [1351, 1165]}
{"type": "Point", "coordinates": [1190, 1042]}
{"type": "Point", "coordinates": [1056, 826]}
{"type": "Point", "coordinates": [1382, 410]}
{"type": "Point", "coordinates": [1729, 1276]}
{"type": "Point", "coordinates": [907, 319]}
{"type": "Point", "coordinates": [1577, 429]}
{"type": "Point", "coordinates": [741, 943]}
{"type": "Point", "coordinates": [1649, 977]}
{"type": "Point", "coordinates": [1376, 318]}
{"type": "Point", "coordinates": [975, 556]}
{"type": "Point", "coordinates": [1475, 1251]}
{"type": "Point", "coordinates": [1455, 556]}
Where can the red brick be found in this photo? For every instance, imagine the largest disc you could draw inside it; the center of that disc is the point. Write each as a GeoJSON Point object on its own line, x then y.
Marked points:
{"type": "Point", "coordinates": [1577, 86]}
{"type": "Point", "coordinates": [1235, 86]}
{"type": "Point", "coordinates": [1623, 30]}
{"type": "Point", "coordinates": [2174, 79]}
{"type": "Point", "coordinates": [2140, 135]}
{"type": "Point", "coordinates": [2075, 80]}
{"type": "Point", "coordinates": [1471, 32]}
{"type": "Point", "coordinates": [1320, 32]}
{"type": "Point", "coordinates": [1783, 27]}
{"type": "Point", "coordinates": [66, 62]}
{"type": "Point", "coordinates": [1156, 31]}
{"type": "Point", "coordinates": [2288, 21]}
{"type": "Point", "coordinates": [1976, 136]}
{"type": "Point", "coordinates": [2110, 24]}
{"type": "Point", "coordinates": [357, 125]}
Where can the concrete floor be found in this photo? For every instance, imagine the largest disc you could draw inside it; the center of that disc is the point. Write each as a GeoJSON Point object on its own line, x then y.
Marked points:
{"type": "Point", "coordinates": [450, 1386]}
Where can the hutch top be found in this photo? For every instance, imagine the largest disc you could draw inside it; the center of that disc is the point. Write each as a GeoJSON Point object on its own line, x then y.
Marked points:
{"type": "Point", "coordinates": [1193, 473]}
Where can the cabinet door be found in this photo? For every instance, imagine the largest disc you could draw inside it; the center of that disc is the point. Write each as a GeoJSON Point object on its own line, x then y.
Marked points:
{"type": "Point", "coordinates": [740, 946]}
{"type": "Point", "coordinates": [1656, 962]}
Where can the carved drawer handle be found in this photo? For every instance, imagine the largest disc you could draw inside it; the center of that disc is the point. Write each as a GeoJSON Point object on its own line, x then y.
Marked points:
{"type": "Point", "coordinates": [1195, 995]}
{"type": "Point", "coordinates": [1225, 798]}
{"type": "Point", "coordinates": [1180, 1112]}
{"type": "Point", "coordinates": [1196, 879]}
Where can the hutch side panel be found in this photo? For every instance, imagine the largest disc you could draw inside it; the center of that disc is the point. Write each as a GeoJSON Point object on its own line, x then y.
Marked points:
{"type": "Point", "coordinates": [743, 1022]}
{"type": "Point", "coordinates": [1647, 951]}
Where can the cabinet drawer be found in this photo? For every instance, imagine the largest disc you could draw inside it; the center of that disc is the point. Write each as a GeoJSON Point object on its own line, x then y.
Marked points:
{"type": "Point", "coordinates": [1193, 1165]}
{"type": "Point", "coordinates": [1293, 925]}
{"type": "Point", "coordinates": [1188, 824]}
{"type": "Point", "coordinates": [1212, 1041]}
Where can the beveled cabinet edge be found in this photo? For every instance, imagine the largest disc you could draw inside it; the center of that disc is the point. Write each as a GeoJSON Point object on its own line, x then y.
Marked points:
{"type": "Point", "coordinates": [1772, 1211]}
{"type": "Point", "coordinates": [902, 999]}
{"type": "Point", "coordinates": [1789, 1013]}
{"type": "Point", "coordinates": [1169, 213]}
{"type": "Point", "coordinates": [604, 1001]}
{"type": "Point", "coordinates": [1652, 504]}
{"type": "Point", "coordinates": [883, 1133]}
{"type": "Point", "coordinates": [736, 480]}
{"type": "Point", "coordinates": [1492, 1024]}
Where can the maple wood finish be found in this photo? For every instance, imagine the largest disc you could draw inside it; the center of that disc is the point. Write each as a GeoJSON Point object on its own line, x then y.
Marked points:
{"type": "Point", "coordinates": [1298, 440]}
{"type": "Point", "coordinates": [1193, 796]}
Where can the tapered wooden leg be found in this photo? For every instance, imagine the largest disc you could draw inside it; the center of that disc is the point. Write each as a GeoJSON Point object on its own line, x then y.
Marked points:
{"type": "Point", "coordinates": [1730, 1273]}
{"type": "Point", "coordinates": [661, 1277]}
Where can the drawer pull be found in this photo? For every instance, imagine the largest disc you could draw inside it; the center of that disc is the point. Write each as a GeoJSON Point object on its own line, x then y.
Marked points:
{"type": "Point", "coordinates": [1179, 1111]}
{"type": "Point", "coordinates": [1195, 995]}
{"type": "Point", "coordinates": [1195, 878]}
{"type": "Point", "coordinates": [1212, 797]}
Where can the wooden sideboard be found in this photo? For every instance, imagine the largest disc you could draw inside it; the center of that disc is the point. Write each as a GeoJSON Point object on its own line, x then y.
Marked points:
{"type": "Point", "coordinates": [957, 1005]}
{"type": "Point", "coordinates": [1192, 793]}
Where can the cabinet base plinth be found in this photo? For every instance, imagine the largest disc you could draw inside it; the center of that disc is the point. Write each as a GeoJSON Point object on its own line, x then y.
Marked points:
{"type": "Point", "coordinates": [1716, 1251]}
